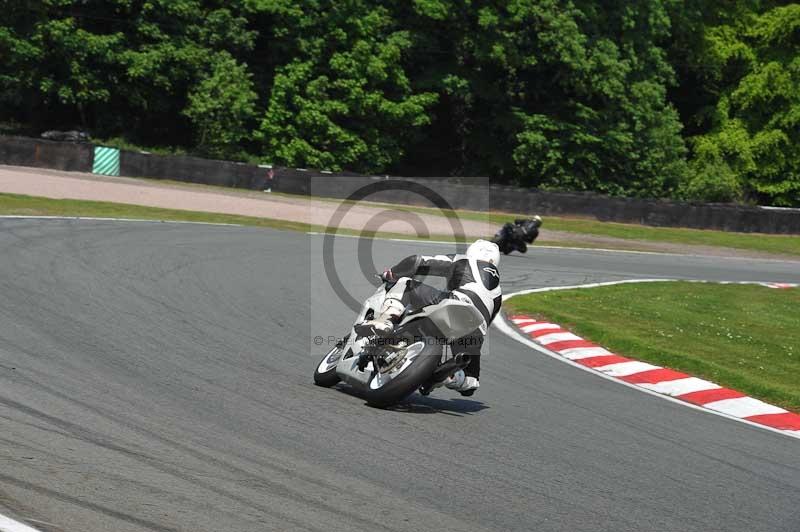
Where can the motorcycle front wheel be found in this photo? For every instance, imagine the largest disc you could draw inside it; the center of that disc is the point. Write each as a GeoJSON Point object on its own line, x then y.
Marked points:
{"type": "Point", "coordinates": [325, 373]}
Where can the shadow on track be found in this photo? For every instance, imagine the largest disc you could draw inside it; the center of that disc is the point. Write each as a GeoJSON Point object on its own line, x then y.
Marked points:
{"type": "Point", "coordinates": [419, 404]}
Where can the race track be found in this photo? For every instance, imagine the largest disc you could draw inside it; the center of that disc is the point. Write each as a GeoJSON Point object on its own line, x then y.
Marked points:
{"type": "Point", "coordinates": [157, 376]}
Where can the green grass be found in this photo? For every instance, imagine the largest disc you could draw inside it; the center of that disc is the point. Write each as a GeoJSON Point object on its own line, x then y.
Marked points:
{"type": "Point", "coordinates": [37, 206]}
{"type": "Point", "coordinates": [740, 336]}
{"type": "Point", "coordinates": [778, 244]}
{"type": "Point", "coordinates": [17, 204]}
{"type": "Point", "coordinates": [766, 243]}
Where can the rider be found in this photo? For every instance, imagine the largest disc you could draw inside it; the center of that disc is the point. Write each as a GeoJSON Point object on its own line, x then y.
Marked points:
{"type": "Point", "coordinates": [530, 227]}
{"type": "Point", "coordinates": [472, 278]}
{"type": "Point", "coordinates": [524, 231]}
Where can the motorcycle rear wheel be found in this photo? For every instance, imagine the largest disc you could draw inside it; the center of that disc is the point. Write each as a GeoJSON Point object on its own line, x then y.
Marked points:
{"type": "Point", "coordinates": [409, 380]}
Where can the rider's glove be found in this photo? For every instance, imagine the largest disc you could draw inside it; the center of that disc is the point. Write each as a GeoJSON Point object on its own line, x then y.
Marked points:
{"type": "Point", "coordinates": [387, 276]}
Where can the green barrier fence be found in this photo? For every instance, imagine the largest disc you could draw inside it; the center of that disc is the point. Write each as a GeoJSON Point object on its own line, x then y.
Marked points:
{"type": "Point", "coordinates": [106, 161]}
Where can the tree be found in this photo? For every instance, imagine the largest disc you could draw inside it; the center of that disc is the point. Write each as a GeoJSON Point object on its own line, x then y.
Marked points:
{"type": "Point", "coordinates": [344, 100]}
{"type": "Point", "coordinates": [222, 108]}
{"type": "Point", "coordinates": [560, 94]}
{"type": "Point", "coordinates": [554, 94]}
{"type": "Point", "coordinates": [115, 66]}
{"type": "Point", "coordinates": [755, 124]}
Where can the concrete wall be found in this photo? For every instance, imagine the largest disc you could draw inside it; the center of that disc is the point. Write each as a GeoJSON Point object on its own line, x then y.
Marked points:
{"type": "Point", "coordinates": [78, 157]}
{"type": "Point", "coordinates": [191, 169]}
{"type": "Point", "coordinates": [665, 213]}
{"type": "Point", "coordinates": [21, 151]}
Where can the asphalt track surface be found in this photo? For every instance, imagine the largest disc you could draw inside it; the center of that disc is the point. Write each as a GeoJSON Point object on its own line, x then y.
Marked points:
{"type": "Point", "coordinates": [157, 376]}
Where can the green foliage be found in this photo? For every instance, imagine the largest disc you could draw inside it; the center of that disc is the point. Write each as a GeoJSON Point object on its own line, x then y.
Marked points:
{"type": "Point", "coordinates": [711, 181]}
{"type": "Point", "coordinates": [222, 106]}
{"type": "Point", "coordinates": [114, 66]}
{"type": "Point", "coordinates": [560, 94]}
{"type": "Point", "coordinates": [574, 94]}
{"type": "Point", "coordinates": [753, 62]}
{"type": "Point", "coordinates": [742, 337]}
{"type": "Point", "coordinates": [344, 100]}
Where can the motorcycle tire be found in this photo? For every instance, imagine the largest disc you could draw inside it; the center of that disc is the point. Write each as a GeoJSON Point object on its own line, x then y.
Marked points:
{"type": "Point", "coordinates": [501, 244]}
{"type": "Point", "coordinates": [415, 375]}
{"type": "Point", "coordinates": [328, 377]}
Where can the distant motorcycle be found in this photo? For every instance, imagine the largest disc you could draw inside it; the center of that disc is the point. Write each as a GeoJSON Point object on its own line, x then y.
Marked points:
{"type": "Point", "coordinates": [517, 236]}
{"type": "Point", "coordinates": [415, 357]}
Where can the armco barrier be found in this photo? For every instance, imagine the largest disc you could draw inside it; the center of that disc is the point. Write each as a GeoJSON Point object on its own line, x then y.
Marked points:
{"type": "Point", "coordinates": [727, 217]}
{"type": "Point", "coordinates": [78, 157]}
{"type": "Point", "coordinates": [22, 151]}
{"type": "Point", "coordinates": [191, 169]}
{"type": "Point", "coordinates": [665, 213]}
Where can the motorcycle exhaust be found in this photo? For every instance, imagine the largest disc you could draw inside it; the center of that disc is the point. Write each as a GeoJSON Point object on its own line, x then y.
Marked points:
{"type": "Point", "coordinates": [454, 364]}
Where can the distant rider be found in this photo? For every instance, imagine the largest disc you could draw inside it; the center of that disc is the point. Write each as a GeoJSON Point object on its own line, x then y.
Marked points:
{"type": "Point", "coordinates": [472, 278]}
{"type": "Point", "coordinates": [517, 236]}
{"type": "Point", "coordinates": [524, 232]}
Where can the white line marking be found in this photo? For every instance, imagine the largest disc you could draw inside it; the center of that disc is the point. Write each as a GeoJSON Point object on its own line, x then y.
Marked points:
{"type": "Point", "coordinates": [411, 240]}
{"type": "Point", "coordinates": [634, 281]}
{"type": "Point", "coordinates": [623, 369]}
{"type": "Point", "coordinates": [500, 324]}
{"type": "Point", "coordinates": [437, 242]}
{"type": "Point", "coordinates": [590, 285]}
{"type": "Point", "coordinates": [512, 333]}
{"type": "Point", "coordinates": [602, 250]}
{"type": "Point", "coordinates": [667, 253]}
{"type": "Point", "coordinates": [548, 339]}
{"type": "Point", "coordinates": [515, 334]}
{"type": "Point", "coordinates": [744, 407]}
{"type": "Point", "coordinates": [680, 386]}
{"type": "Point", "coordinates": [9, 525]}
{"type": "Point", "coordinates": [539, 327]}
{"type": "Point", "coordinates": [97, 219]}
{"type": "Point", "coordinates": [577, 353]}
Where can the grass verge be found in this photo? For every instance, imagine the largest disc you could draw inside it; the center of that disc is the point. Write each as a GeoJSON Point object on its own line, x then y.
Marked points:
{"type": "Point", "coordinates": [739, 336]}
{"type": "Point", "coordinates": [766, 243]}
{"type": "Point", "coordinates": [17, 204]}
{"type": "Point", "coordinates": [634, 234]}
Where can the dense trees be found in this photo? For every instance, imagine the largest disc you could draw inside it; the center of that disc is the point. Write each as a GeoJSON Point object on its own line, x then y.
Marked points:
{"type": "Point", "coordinates": [751, 143]}
{"type": "Point", "coordinates": [696, 99]}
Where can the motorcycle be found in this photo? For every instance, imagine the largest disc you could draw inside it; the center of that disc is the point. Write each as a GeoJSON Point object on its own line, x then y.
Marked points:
{"type": "Point", "coordinates": [416, 357]}
{"type": "Point", "coordinates": [510, 238]}
{"type": "Point", "coordinates": [517, 236]}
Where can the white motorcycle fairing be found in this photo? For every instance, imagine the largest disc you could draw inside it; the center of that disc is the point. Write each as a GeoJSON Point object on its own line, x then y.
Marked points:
{"type": "Point", "coordinates": [452, 318]}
